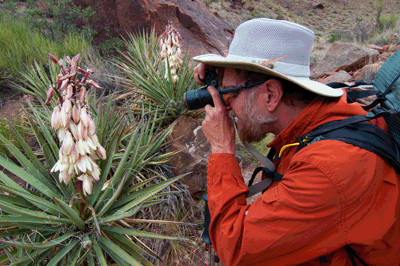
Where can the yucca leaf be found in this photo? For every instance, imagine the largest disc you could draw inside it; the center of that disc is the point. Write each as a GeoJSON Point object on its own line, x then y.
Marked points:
{"type": "Point", "coordinates": [114, 250]}
{"type": "Point", "coordinates": [34, 226]}
{"type": "Point", "coordinates": [62, 253]}
{"type": "Point", "coordinates": [114, 197]}
{"type": "Point", "coordinates": [70, 213]}
{"type": "Point", "coordinates": [48, 153]}
{"type": "Point", "coordinates": [12, 220]}
{"type": "Point", "coordinates": [36, 246]}
{"type": "Point", "coordinates": [137, 186]}
{"type": "Point", "coordinates": [45, 131]}
{"type": "Point", "coordinates": [99, 254]}
{"type": "Point", "coordinates": [31, 258]}
{"type": "Point", "coordinates": [90, 260]}
{"type": "Point", "coordinates": [14, 232]}
{"type": "Point", "coordinates": [132, 248]}
{"type": "Point", "coordinates": [154, 189]}
{"type": "Point", "coordinates": [32, 180]}
{"type": "Point", "coordinates": [118, 215]}
{"type": "Point", "coordinates": [16, 210]}
{"type": "Point", "coordinates": [105, 167]}
{"type": "Point", "coordinates": [120, 170]}
{"type": "Point", "coordinates": [9, 256]}
{"type": "Point", "coordinates": [30, 154]}
{"type": "Point", "coordinates": [76, 251]}
{"type": "Point", "coordinates": [26, 164]}
{"type": "Point", "coordinates": [16, 200]}
{"type": "Point", "coordinates": [42, 203]}
{"type": "Point", "coordinates": [133, 232]}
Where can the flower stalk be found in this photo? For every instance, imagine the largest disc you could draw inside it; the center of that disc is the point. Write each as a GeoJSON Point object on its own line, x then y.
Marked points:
{"type": "Point", "coordinates": [171, 51]}
{"type": "Point", "coordinates": [80, 147]}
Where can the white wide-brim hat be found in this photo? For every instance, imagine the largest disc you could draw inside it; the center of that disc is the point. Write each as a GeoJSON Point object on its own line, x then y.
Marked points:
{"type": "Point", "coordinates": [274, 47]}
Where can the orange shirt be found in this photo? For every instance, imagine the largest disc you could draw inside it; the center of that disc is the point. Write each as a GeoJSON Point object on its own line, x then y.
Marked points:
{"type": "Point", "coordinates": [332, 194]}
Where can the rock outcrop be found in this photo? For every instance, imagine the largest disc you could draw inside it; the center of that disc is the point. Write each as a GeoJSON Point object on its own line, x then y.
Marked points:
{"type": "Point", "coordinates": [201, 30]}
{"type": "Point", "coordinates": [343, 56]}
{"type": "Point", "coordinates": [188, 138]}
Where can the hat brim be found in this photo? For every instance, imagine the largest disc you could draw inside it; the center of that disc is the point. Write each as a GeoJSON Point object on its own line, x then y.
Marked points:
{"type": "Point", "coordinates": [304, 82]}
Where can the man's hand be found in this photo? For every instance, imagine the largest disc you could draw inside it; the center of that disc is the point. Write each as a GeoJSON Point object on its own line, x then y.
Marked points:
{"type": "Point", "coordinates": [218, 126]}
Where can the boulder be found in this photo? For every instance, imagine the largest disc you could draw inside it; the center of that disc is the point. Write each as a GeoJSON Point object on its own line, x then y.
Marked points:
{"type": "Point", "coordinates": [341, 76]}
{"type": "Point", "coordinates": [385, 55]}
{"type": "Point", "coordinates": [368, 72]}
{"type": "Point", "coordinates": [200, 29]}
{"type": "Point", "coordinates": [188, 138]}
{"type": "Point", "coordinates": [393, 48]}
{"type": "Point", "coordinates": [343, 56]}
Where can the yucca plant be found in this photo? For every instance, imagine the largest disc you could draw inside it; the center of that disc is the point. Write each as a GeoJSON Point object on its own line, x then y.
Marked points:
{"type": "Point", "coordinates": [53, 222]}
{"type": "Point", "coordinates": [155, 68]}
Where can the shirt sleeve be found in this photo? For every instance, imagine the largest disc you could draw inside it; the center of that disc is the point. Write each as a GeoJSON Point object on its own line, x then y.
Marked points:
{"type": "Point", "coordinates": [287, 225]}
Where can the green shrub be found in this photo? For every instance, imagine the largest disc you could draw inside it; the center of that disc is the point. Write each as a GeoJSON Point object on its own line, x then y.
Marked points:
{"type": "Point", "coordinates": [59, 19]}
{"type": "Point", "coordinates": [387, 21]}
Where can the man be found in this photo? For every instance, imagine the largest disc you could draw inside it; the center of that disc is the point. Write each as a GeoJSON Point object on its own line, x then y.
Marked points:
{"type": "Point", "coordinates": [332, 194]}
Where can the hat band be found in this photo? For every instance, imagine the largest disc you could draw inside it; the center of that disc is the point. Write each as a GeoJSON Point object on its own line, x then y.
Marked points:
{"type": "Point", "coordinates": [280, 67]}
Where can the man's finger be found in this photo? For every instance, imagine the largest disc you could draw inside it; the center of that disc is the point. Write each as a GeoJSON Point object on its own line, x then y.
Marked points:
{"type": "Point", "coordinates": [199, 73]}
{"type": "Point", "coordinates": [216, 98]}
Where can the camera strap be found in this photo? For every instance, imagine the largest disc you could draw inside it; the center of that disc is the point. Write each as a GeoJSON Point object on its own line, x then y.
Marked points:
{"type": "Point", "coordinates": [266, 162]}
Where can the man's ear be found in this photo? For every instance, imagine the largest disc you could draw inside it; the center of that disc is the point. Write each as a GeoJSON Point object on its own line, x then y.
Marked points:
{"type": "Point", "coordinates": [272, 91]}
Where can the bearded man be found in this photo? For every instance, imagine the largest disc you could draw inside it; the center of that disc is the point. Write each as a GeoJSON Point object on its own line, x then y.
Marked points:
{"type": "Point", "coordinates": [333, 196]}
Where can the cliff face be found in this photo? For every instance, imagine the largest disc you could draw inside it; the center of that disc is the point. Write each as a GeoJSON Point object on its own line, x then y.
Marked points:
{"type": "Point", "coordinates": [201, 30]}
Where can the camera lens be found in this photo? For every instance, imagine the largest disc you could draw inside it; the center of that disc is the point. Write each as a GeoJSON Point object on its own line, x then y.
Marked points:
{"type": "Point", "coordinates": [196, 99]}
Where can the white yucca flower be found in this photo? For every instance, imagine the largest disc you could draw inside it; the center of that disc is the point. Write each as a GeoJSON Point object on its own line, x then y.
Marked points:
{"type": "Point", "coordinates": [76, 128]}
{"type": "Point", "coordinates": [171, 50]}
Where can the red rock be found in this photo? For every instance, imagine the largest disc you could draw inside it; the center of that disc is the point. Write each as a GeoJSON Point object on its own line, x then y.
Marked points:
{"type": "Point", "coordinates": [200, 29]}
{"type": "Point", "coordinates": [393, 48]}
{"type": "Point", "coordinates": [376, 47]}
{"type": "Point", "coordinates": [368, 72]}
{"type": "Point", "coordinates": [386, 47]}
{"type": "Point", "coordinates": [343, 56]}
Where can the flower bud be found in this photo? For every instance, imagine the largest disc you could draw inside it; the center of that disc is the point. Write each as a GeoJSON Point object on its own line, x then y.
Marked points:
{"type": "Point", "coordinates": [91, 126]}
{"type": "Point", "coordinates": [81, 163]}
{"type": "Point", "coordinates": [68, 144]}
{"type": "Point", "coordinates": [84, 117]}
{"type": "Point", "coordinates": [74, 130]}
{"type": "Point", "coordinates": [101, 152]}
{"type": "Point", "coordinates": [82, 94]}
{"type": "Point", "coordinates": [61, 134]}
{"type": "Point", "coordinates": [80, 148]}
{"type": "Point", "coordinates": [52, 58]}
{"type": "Point", "coordinates": [82, 131]}
{"type": "Point", "coordinates": [87, 184]}
{"type": "Point", "coordinates": [76, 111]}
{"type": "Point", "coordinates": [94, 84]}
{"type": "Point", "coordinates": [49, 94]}
{"type": "Point", "coordinates": [70, 91]}
{"type": "Point", "coordinates": [64, 84]}
{"type": "Point", "coordinates": [55, 118]}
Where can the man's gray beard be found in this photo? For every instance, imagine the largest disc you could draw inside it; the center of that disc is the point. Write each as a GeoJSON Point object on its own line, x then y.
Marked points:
{"type": "Point", "coordinates": [253, 126]}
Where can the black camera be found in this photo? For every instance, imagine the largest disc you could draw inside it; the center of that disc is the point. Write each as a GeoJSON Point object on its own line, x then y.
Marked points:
{"type": "Point", "coordinates": [197, 99]}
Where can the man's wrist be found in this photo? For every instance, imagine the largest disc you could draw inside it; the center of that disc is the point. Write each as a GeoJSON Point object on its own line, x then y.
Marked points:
{"type": "Point", "coordinates": [222, 150]}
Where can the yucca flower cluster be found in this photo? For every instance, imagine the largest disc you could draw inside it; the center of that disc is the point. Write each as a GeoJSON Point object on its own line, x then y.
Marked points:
{"type": "Point", "coordinates": [171, 49]}
{"type": "Point", "coordinates": [76, 129]}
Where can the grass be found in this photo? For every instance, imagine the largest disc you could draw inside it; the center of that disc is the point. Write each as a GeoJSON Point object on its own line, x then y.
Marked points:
{"type": "Point", "coordinates": [21, 46]}
{"type": "Point", "coordinates": [7, 132]}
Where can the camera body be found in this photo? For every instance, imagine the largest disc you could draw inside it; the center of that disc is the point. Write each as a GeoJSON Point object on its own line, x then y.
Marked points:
{"type": "Point", "coordinates": [197, 99]}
